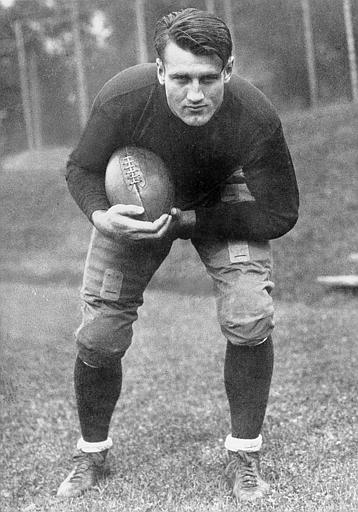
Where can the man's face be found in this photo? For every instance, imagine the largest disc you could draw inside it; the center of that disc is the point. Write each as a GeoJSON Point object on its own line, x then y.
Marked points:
{"type": "Point", "coordinates": [194, 84]}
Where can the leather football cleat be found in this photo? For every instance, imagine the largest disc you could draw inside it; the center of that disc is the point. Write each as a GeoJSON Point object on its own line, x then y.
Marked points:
{"type": "Point", "coordinates": [243, 474]}
{"type": "Point", "coordinates": [87, 469]}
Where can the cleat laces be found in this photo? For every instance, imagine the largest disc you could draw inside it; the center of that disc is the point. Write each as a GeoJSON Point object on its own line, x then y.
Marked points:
{"type": "Point", "coordinates": [82, 465]}
{"type": "Point", "coordinates": [84, 462]}
{"type": "Point", "coordinates": [87, 469]}
{"type": "Point", "coordinates": [245, 469]}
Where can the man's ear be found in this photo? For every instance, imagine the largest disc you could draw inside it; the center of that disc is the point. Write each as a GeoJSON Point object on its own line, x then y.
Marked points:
{"type": "Point", "coordinates": [160, 71]}
{"type": "Point", "coordinates": [228, 69]}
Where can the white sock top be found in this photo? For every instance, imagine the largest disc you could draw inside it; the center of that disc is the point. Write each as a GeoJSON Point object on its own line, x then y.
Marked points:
{"type": "Point", "coordinates": [234, 444]}
{"type": "Point", "coordinates": [87, 447]}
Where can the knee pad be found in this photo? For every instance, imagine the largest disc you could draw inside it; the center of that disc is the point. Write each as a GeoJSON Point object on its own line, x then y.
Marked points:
{"type": "Point", "coordinates": [103, 338]}
{"type": "Point", "coordinates": [95, 359]}
{"type": "Point", "coordinates": [248, 334]}
{"type": "Point", "coordinates": [115, 364]}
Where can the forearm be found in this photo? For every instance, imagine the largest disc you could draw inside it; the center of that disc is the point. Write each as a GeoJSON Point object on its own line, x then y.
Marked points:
{"type": "Point", "coordinates": [86, 166]}
{"type": "Point", "coordinates": [273, 208]}
{"type": "Point", "coordinates": [87, 189]}
{"type": "Point", "coordinates": [245, 221]}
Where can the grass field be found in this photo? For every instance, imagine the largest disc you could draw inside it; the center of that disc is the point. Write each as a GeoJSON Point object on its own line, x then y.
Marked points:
{"type": "Point", "coordinates": [170, 458]}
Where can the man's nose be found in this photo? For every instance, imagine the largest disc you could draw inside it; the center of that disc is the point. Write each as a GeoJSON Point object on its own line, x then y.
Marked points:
{"type": "Point", "coordinates": [195, 93]}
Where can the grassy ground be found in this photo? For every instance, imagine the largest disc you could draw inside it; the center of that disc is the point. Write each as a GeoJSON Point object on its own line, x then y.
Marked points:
{"type": "Point", "coordinates": [170, 457]}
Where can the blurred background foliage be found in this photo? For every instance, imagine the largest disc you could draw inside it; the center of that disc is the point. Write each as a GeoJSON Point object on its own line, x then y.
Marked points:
{"type": "Point", "coordinates": [269, 50]}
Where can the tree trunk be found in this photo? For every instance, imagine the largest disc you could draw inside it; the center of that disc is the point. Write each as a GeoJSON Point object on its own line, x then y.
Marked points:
{"type": "Point", "coordinates": [35, 94]}
{"type": "Point", "coordinates": [311, 66]}
{"type": "Point", "coordinates": [79, 63]}
{"type": "Point", "coordinates": [347, 8]}
{"type": "Point", "coordinates": [25, 94]}
{"type": "Point", "coordinates": [141, 31]}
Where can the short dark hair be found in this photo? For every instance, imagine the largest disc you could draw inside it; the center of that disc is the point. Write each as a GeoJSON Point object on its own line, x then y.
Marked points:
{"type": "Point", "coordinates": [200, 32]}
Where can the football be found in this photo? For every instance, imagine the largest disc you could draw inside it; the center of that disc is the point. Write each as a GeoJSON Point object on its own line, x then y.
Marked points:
{"type": "Point", "coordinates": [135, 175]}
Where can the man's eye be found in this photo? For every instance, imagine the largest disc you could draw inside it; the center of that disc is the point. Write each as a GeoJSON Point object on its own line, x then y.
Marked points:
{"type": "Point", "coordinates": [209, 79]}
{"type": "Point", "coordinates": [181, 79]}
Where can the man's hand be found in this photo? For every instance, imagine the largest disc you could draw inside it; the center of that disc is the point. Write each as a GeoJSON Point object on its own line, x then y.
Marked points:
{"type": "Point", "coordinates": [183, 224]}
{"type": "Point", "coordinates": [121, 221]}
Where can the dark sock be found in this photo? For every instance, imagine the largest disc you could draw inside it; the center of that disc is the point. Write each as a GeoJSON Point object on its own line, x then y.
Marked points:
{"type": "Point", "coordinates": [247, 374]}
{"type": "Point", "coordinates": [97, 391]}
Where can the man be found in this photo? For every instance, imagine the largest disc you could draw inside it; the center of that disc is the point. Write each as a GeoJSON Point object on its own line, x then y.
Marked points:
{"type": "Point", "coordinates": [235, 190]}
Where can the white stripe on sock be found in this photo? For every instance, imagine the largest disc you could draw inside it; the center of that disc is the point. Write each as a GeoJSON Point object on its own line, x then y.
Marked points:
{"type": "Point", "coordinates": [87, 447]}
{"type": "Point", "coordinates": [234, 444]}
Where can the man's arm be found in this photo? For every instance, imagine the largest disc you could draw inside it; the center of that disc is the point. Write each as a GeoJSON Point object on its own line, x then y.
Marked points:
{"type": "Point", "coordinates": [87, 189]}
{"type": "Point", "coordinates": [85, 179]}
{"type": "Point", "coordinates": [271, 181]}
{"type": "Point", "coordinates": [121, 221]}
{"type": "Point", "coordinates": [87, 164]}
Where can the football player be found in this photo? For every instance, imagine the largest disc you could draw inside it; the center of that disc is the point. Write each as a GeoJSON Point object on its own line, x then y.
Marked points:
{"type": "Point", "coordinates": [235, 190]}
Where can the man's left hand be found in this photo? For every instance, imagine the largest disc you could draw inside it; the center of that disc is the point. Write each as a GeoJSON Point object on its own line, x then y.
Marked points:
{"type": "Point", "coordinates": [182, 225]}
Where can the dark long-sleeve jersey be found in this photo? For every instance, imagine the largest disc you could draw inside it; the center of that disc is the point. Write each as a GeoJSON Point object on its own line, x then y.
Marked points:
{"type": "Point", "coordinates": [245, 132]}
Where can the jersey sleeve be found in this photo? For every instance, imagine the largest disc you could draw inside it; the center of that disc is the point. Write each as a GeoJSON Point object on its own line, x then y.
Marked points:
{"type": "Point", "coordinates": [273, 209]}
{"type": "Point", "coordinates": [115, 113]}
{"type": "Point", "coordinates": [87, 164]}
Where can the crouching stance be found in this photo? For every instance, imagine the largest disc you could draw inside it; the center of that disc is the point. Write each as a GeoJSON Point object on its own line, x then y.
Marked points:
{"type": "Point", "coordinates": [235, 190]}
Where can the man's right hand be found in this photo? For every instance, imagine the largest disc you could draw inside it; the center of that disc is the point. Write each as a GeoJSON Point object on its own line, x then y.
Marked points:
{"type": "Point", "coordinates": [121, 221]}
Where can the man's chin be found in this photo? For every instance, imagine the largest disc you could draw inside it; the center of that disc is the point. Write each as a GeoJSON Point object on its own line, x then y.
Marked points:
{"type": "Point", "coordinates": [196, 120]}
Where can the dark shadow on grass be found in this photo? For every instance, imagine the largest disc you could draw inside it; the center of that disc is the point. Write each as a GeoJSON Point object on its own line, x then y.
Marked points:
{"type": "Point", "coordinates": [343, 291]}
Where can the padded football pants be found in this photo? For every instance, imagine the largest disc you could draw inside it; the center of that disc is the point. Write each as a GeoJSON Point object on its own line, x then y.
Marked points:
{"type": "Point", "coordinates": [117, 273]}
